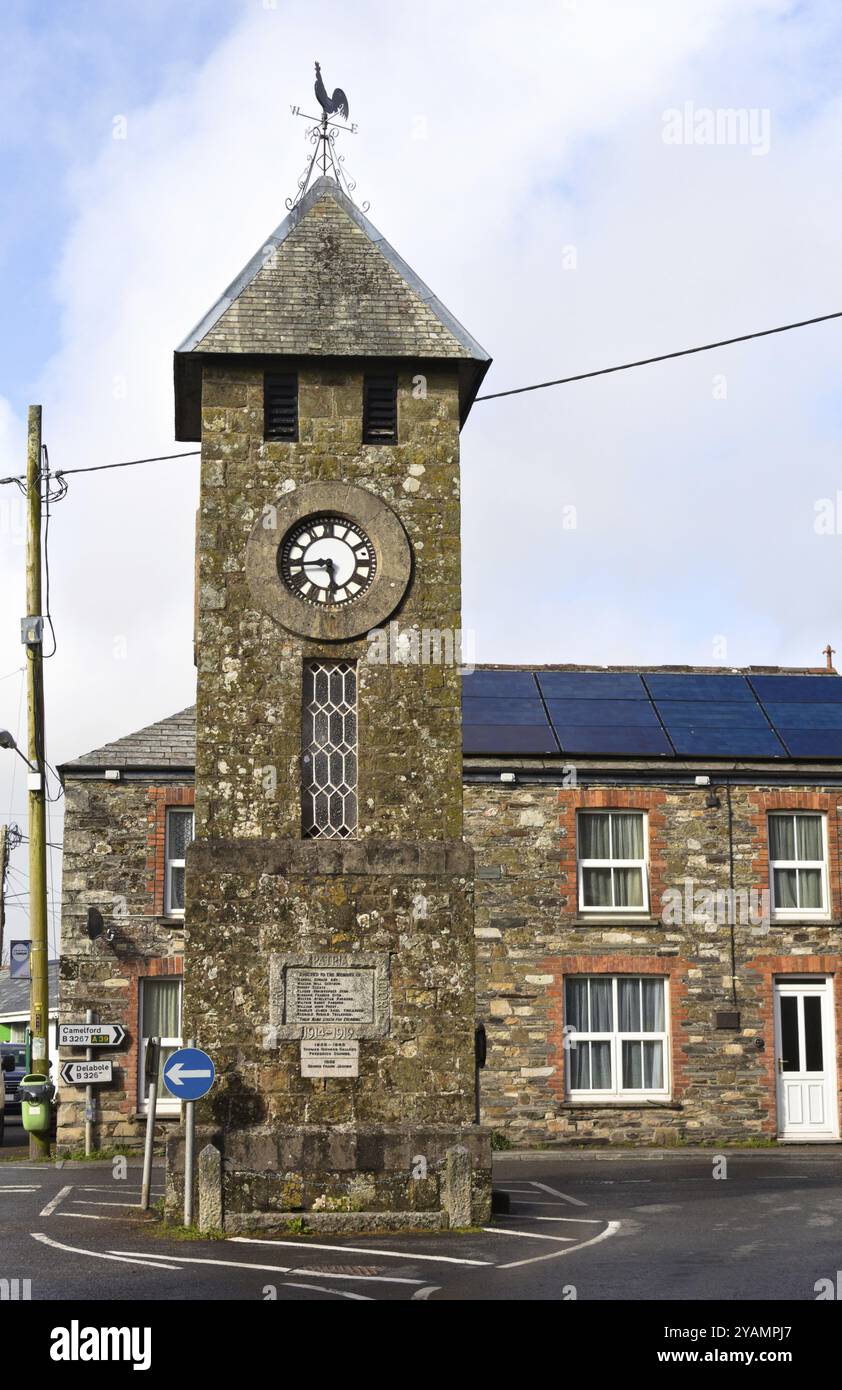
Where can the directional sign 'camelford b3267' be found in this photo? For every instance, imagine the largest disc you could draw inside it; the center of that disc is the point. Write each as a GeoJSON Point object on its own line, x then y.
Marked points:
{"type": "Point", "coordinates": [90, 1034]}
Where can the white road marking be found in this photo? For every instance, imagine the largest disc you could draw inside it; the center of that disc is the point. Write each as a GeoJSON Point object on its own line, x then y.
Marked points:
{"type": "Point", "coordinates": [96, 1255]}
{"type": "Point", "coordinates": [539, 1202]}
{"type": "Point", "coordinates": [529, 1235]}
{"type": "Point", "coordinates": [59, 1197]}
{"type": "Point", "coordinates": [554, 1192]}
{"type": "Point", "coordinates": [87, 1202]}
{"type": "Point", "coordinates": [421, 1295]}
{"type": "Point", "coordinates": [576, 1220]}
{"type": "Point", "coordinates": [82, 1216]}
{"type": "Point", "coordinates": [337, 1293]}
{"type": "Point", "coordinates": [34, 1188]}
{"type": "Point", "coordinates": [611, 1230]}
{"type": "Point", "coordinates": [282, 1269]}
{"type": "Point", "coordinates": [359, 1250]}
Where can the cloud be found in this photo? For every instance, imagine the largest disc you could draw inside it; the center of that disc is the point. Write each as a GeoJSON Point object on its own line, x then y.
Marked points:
{"type": "Point", "coordinates": [493, 140]}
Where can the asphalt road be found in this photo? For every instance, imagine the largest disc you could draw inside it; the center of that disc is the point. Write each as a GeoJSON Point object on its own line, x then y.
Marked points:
{"type": "Point", "coordinates": [619, 1227]}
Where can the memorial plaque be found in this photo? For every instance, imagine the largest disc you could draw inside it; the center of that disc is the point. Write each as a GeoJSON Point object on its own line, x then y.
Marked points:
{"type": "Point", "coordinates": [330, 1058]}
{"type": "Point", "coordinates": [329, 996]}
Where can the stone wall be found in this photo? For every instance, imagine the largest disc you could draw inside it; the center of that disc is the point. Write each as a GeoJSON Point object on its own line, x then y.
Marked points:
{"type": "Point", "coordinates": [113, 861]}
{"type": "Point", "coordinates": [530, 935]}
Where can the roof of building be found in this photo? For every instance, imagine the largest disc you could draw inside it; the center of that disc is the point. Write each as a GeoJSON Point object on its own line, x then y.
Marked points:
{"type": "Point", "coordinates": [171, 743]}
{"type": "Point", "coordinates": [767, 714]}
{"type": "Point", "coordinates": [14, 994]}
{"type": "Point", "coordinates": [326, 283]}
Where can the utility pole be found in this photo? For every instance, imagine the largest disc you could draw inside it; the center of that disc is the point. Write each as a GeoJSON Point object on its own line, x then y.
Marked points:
{"type": "Point", "coordinates": [39, 1007]}
{"type": "Point", "coordinates": [4, 859]}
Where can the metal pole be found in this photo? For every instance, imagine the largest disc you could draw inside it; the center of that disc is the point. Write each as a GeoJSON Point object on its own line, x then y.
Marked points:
{"type": "Point", "coordinates": [90, 1017]}
{"type": "Point", "coordinates": [153, 1052]}
{"type": "Point", "coordinates": [4, 855]}
{"type": "Point", "coordinates": [189, 1149]}
{"type": "Point", "coordinates": [39, 1008]}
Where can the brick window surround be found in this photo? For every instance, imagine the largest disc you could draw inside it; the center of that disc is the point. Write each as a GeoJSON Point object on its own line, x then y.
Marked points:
{"type": "Point", "coordinates": [611, 799]}
{"type": "Point", "coordinates": [762, 803]}
{"type": "Point", "coordinates": [672, 968]}
{"type": "Point", "coordinates": [768, 969]}
{"type": "Point", "coordinates": [161, 800]}
{"type": "Point", "coordinates": [151, 968]}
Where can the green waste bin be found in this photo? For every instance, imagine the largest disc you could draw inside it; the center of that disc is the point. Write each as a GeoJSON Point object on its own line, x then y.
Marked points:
{"type": "Point", "coordinates": [36, 1093]}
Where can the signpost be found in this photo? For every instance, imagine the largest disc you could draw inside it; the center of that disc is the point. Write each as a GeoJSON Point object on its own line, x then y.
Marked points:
{"type": "Point", "coordinates": [86, 1073]}
{"type": "Point", "coordinates": [189, 1075]}
{"type": "Point", "coordinates": [90, 1034]}
{"type": "Point", "coordinates": [151, 1067]}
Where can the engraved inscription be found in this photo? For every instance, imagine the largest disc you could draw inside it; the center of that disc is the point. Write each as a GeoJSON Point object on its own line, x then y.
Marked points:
{"type": "Point", "coordinates": [329, 996]}
{"type": "Point", "coordinates": [330, 1058]}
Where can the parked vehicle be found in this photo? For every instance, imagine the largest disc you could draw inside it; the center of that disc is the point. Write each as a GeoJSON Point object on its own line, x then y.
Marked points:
{"type": "Point", "coordinates": [13, 1062]}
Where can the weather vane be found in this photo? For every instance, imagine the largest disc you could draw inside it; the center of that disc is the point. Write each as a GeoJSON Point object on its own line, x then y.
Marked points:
{"type": "Point", "coordinates": [322, 136]}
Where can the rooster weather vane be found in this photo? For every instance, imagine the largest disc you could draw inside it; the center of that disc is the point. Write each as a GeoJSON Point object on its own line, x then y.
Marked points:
{"type": "Point", "coordinates": [323, 137]}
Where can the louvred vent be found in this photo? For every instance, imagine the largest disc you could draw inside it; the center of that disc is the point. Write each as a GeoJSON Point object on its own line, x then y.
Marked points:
{"type": "Point", "coordinates": [380, 410]}
{"type": "Point", "coordinates": [280, 405]}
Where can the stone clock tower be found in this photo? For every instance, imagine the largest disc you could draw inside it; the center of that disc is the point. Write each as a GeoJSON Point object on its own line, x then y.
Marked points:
{"type": "Point", "coordinates": [329, 964]}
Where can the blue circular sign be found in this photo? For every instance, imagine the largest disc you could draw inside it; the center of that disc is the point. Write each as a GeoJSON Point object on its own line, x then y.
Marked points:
{"type": "Point", "coordinates": [189, 1073]}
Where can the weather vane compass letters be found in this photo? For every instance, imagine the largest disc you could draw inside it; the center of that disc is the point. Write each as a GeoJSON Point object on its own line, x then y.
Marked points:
{"type": "Point", "coordinates": [323, 135]}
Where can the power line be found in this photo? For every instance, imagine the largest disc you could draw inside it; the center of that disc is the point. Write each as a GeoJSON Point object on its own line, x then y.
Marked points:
{"type": "Point", "coordinates": [101, 467]}
{"type": "Point", "coordinates": [662, 357]}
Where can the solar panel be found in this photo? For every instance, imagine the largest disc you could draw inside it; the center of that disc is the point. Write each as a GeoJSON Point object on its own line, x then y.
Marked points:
{"type": "Point", "coordinates": [503, 711]}
{"type": "Point", "coordinates": [813, 743]}
{"type": "Point", "coordinates": [697, 687]}
{"type": "Point", "coordinates": [591, 685]}
{"type": "Point", "coordinates": [633, 742]}
{"type": "Point", "coordinates": [713, 714]}
{"type": "Point", "coordinates": [806, 715]}
{"type": "Point", "coordinates": [824, 689]}
{"type": "Point", "coordinates": [603, 713]}
{"type": "Point", "coordinates": [727, 743]}
{"type": "Point", "coordinates": [502, 739]}
{"type": "Point", "coordinates": [485, 684]}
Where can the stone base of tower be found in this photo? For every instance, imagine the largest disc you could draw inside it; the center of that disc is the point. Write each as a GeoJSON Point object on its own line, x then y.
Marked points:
{"type": "Point", "coordinates": [337, 1178]}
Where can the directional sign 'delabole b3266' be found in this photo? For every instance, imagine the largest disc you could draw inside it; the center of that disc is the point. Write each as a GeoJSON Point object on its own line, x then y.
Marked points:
{"type": "Point", "coordinates": [90, 1034]}
{"type": "Point", "coordinates": [85, 1073]}
{"type": "Point", "coordinates": [189, 1073]}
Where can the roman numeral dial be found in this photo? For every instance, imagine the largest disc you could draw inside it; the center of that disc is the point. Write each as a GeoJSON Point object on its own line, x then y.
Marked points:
{"type": "Point", "coordinates": [327, 561]}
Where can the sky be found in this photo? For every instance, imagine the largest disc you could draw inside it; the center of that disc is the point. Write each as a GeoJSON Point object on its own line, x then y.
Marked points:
{"type": "Point", "coordinates": [567, 179]}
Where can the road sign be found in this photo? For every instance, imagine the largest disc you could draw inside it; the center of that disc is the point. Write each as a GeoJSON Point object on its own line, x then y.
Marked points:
{"type": "Point", "coordinates": [90, 1034]}
{"type": "Point", "coordinates": [189, 1073]}
{"type": "Point", "coordinates": [85, 1073]}
{"type": "Point", "coordinates": [19, 960]}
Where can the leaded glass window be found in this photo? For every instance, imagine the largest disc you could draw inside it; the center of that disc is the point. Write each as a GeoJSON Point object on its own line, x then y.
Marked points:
{"type": "Point", "coordinates": [329, 755]}
{"type": "Point", "coordinates": [179, 835]}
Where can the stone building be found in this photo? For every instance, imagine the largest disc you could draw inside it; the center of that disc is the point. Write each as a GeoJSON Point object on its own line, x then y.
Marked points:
{"type": "Point", "coordinates": [349, 854]}
{"type": "Point", "coordinates": [731, 979]}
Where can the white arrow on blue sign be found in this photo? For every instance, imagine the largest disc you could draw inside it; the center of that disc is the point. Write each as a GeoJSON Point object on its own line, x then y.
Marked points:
{"type": "Point", "coordinates": [189, 1073]}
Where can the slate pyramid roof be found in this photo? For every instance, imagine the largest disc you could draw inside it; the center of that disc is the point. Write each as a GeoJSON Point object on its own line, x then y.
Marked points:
{"type": "Point", "coordinates": [326, 283]}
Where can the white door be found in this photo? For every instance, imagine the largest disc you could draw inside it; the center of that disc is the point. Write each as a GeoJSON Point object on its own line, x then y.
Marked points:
{"type": "Point", "coordinates": [805, 1059]}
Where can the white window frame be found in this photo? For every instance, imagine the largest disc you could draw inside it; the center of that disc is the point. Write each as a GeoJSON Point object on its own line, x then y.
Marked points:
{"type": "Point", "coordinates": [170, 864]}
{"type": "Point", "coordinates": [165, 1103]}
{"type": "Point", "coordinates": [799, 914]}
{"type": "Point", "coordinates": [617, 1092]}
{"type": "Point", "coordinates": [642, 864]}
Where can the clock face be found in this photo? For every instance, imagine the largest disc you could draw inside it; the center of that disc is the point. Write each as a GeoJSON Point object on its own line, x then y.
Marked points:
{"type": "Point", "coordinates": [327, 561]}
